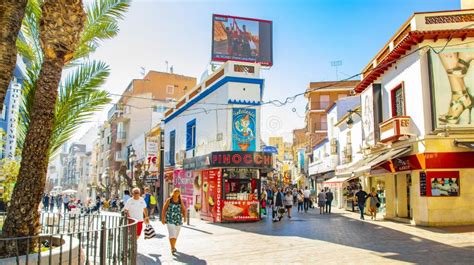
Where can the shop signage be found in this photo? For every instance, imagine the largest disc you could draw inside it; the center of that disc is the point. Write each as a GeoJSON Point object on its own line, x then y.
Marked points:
{"type": "Point", "coordinates": [242, 159]}
{"type": "Point", "coordinates": [244, 132]}
{"type": "Point", "coordinates": [198, 162]}
{"type": "Point", "coordinates": [184, 181]}
{"type": "Point", "coordinates": [442, 183]}
{"type": "Point", "coordinates": [240, 210]}
{"type": "Point", "coordinates": [422, 183]}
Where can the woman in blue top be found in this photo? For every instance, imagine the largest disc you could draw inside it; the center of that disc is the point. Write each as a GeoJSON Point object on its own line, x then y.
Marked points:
{"type": "Point", "coordinates": [172, 214]}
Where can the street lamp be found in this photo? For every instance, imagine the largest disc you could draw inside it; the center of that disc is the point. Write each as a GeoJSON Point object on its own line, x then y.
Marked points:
{"type": "Point", "coordinates": [131, 158]}
{"type": "Point", "coordinates": [350, 121]}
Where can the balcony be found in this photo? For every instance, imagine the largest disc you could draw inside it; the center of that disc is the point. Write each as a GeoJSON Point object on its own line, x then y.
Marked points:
{"type": "Point", "coordinates": [319, 105]}
{"type": "Point", "coordinates": [120, 156]}
{"type": "Point", "coordinates": [116, 113]}
{"type": "Point", "coordinates": [121, 137]}
{"type": "Point", "coordinates": [321, 126]}
{"type": "Point", "coordinates": [393, 129]}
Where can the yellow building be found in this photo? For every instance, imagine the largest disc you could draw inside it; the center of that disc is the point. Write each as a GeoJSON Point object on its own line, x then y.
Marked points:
{"type": "Point", "coordinates": [279, 144]}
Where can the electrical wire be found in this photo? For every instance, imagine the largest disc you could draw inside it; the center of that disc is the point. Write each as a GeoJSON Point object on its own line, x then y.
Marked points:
{"type": "Point", "coordinates": [292, 99]}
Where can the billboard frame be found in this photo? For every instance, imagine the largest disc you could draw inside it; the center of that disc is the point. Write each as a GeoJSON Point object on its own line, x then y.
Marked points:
{"type": "Point", "coordinates": [223, 60]}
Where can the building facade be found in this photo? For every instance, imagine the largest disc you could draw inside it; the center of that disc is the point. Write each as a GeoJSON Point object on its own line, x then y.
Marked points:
{"type": "Point", "coordinates": [212, 145]}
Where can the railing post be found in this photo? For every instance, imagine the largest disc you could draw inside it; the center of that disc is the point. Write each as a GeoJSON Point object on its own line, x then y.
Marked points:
{"type": "Point", "coordinates": [103, 241]}
{"type": "Point", "coordinates": [125, 234]}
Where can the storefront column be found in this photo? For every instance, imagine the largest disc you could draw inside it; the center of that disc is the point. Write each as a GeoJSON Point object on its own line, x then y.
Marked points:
{"type": "Point", "coordinates": [390, 202]}
{"type": "Point", "coordinates": [402, 203]}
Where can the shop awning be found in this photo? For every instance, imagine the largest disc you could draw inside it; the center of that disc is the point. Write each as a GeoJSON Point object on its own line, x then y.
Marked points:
{"type": "Point", "coordinates": [371, 162]}
{"type": "Point", "coordinates": [335, 180]}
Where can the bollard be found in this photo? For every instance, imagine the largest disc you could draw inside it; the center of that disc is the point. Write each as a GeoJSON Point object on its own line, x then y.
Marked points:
{"type": "Point", "coordinates": [187, 217]}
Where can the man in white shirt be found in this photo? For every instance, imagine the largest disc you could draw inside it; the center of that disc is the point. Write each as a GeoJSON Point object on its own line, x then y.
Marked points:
{"type": "Point", "coordinates": [136, 208]}
{"type": "Point", "coordinates": [306, 194]}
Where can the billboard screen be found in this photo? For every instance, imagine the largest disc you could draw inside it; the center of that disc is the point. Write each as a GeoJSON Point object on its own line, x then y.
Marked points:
{"type": "Point", "coordinates": [452, 92]}
{"type": "Point", "coordinates": [241, 39]}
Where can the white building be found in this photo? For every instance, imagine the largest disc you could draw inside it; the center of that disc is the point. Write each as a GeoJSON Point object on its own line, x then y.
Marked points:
{"type": "Point", "coordinates": [212, 138]}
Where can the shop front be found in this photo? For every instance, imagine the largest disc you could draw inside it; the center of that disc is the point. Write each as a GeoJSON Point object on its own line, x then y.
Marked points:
{"type": "Point", "coordinates": [229, 184]}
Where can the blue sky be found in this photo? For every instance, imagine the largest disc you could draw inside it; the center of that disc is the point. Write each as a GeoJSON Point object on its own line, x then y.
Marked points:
{"type": "Point", "coordinates": [307, 36]}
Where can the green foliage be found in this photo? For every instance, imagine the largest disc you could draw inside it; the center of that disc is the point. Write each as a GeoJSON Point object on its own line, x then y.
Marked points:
{"type": "Point", "coordinates": [79, 94]}
{"type": "Point", "coordinates": [9, 170]}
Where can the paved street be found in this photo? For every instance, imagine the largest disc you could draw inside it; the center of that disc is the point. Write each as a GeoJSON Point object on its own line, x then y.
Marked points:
{"type": "Point", "coordinates": [339, 238]}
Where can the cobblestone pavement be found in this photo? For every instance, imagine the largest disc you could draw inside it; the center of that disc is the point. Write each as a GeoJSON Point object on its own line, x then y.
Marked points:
{"type": "Point", "coordinates": [337, 238]}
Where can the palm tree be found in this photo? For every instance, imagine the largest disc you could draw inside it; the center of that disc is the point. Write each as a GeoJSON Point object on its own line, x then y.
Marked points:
{"type": "Point", "coordinates": [11, 15]}
{"type": "Point", "coordinates": [48, 118]}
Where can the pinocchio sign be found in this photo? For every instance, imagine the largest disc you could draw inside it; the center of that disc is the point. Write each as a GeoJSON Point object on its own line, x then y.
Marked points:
{"type": "Point", "coordinates": [242, 159]}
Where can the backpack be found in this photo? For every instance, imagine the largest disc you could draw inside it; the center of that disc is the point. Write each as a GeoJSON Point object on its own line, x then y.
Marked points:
{"type": "Point", "coordinates": [152, 200]}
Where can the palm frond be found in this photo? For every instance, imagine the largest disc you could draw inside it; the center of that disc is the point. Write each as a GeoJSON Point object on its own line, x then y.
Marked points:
{"type": "Point", "coordinates": [78, 100]}
{"type": "Point", "coordinates": [101, 24]}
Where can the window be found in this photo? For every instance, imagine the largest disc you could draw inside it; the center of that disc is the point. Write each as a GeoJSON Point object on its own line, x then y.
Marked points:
{"type": "Point", "coordinates": [160, 109]}
{"type": "Point", "coordinates": [398, 101]}
{"type": "Point", "coordinates": [191, 135]}
{"type": "Point", "coordinates": [324, 101]}
{"type": "Point", "coordinates": [170, 89]}
{"type": "Point", "coordinates": [172, 150]}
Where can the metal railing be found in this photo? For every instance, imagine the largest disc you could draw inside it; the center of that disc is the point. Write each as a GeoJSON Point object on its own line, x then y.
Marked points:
{"type": "Point", "coordinates": [75, 238]}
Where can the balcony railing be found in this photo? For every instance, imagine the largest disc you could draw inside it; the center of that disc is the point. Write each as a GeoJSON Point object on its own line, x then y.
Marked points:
{"type": "Point", "coordinates": [319, 105]}
{"type": "Point", "coordinates": [321, 126]}
{"type": "Point", "coordinates": [121, 137]}
{"type": "Point", "coordinates": [396, 127]}
{"type": "Point", "coordinates": [120, 156]}
{"type": "Point", "coordinates": [116, 113]}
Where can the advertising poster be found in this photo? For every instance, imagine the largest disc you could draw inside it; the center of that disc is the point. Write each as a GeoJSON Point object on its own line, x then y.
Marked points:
{"type": "Point", "coordinates": [452, 92]}
{"type": "Point", "coordinates": [442, 183]}
{"type": "Point", "coordinates": [211, 195]}
{"type": "Point", "coordinates": [183, 180]}
{"type": "Point", "coordinates": [240, 211]}
{"type": "Point", "coordinates": [241, 39]}
{"type": "Point", "coordinates": [367, 105]}
{"type": "Point", "coordinates": [243, 129]}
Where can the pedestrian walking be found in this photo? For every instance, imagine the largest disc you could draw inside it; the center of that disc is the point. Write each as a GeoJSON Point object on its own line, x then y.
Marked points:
{"type": "Point", "coordinates": [295, 196]}
{"type": "Point", "coordinates": [321, 201]}
{"type": "Point", "coordinates": [306, 194]}
{"type": "Point", "coordinates": [60, 202]}
{"type": "Point", "coordinates": [277, 206]}
{"type": "Point", "coordinates": [66, 203]}
{"type": "Point", "coordinates": [361, 197]}
{"type": "Point", "coordinates": [147, 198]}
{"type": "Point", "coordinates": [329, 198]}
{"type": "Point", "coordinates": [270, 197]}
{"type": "Point", "coordinates": [263, 204]}
{"type": "Point", "coordinates": [51, 202]}
{"type": "Point", "coordinates": [136, 208]}
{"type": "Point", "coordinates": [153, 204]}
{"type": "Point", "coordinates": [374, 203]}
{"type": "Point", "coordinates": [45, 202]}
{"type": "Point", "coordinates": [289, 202]}
{"type": "Point", "coordinates": [173, 214]}
{"type": "Point", "coordinates": [300, 198]}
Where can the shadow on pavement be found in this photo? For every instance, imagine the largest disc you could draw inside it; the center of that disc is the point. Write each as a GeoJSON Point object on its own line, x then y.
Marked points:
{"type": "Point", "coordinates": [150, 259]}
{"type": "Point", "coordinates": [340, 229]}
{"type": "Point", "coordinates": [188, 259]}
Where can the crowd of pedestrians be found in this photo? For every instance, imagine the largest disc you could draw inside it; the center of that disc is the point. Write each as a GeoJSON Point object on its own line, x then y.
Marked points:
{"type": "Point", "coordinates": [282, 201]}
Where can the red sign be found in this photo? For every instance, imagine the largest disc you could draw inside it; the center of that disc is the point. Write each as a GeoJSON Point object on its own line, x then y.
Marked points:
{"type": "Point", "coordinates": [242, 159]}
{"type": "Point", "coordinates": [442, 183]}
{"type": "Point", "coordinates": [240, 211]}
{"type": "Point", "coordinates": [211, 195]}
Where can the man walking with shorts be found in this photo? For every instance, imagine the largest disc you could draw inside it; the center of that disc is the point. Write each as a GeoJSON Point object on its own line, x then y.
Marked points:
{"type": "Point", "coordinates": [136, 208]}
{"type": "Point", "coordinates": [306, 201]}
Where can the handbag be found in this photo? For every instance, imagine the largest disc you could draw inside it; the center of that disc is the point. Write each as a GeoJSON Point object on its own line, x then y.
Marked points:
{"type": "Point", "coordinates": [149, 232]}
{"type": "Point", "coordinates": [377, 204]}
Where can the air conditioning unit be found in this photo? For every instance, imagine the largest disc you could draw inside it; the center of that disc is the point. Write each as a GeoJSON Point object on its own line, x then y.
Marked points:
{"type": "Point", "coordinates": [219, 136]}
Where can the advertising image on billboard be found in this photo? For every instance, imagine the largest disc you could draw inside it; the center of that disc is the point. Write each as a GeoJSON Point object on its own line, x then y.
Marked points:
{"type": "Point", "coordinates": [241, 39]}
{"type": "Point", "coordinates": [452, 76]}
{"type": "Point", "coordinates": [243, 129]}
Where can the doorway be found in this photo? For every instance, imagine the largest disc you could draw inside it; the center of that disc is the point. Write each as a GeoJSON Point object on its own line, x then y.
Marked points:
{"type": "Point", "coordinates": [403, 195]}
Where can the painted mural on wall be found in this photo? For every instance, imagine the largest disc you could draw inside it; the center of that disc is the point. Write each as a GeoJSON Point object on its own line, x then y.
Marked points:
{"type": "Point", "coordinates": [243, 129]}
{"type": "Point", "coordinates": [452, 76]}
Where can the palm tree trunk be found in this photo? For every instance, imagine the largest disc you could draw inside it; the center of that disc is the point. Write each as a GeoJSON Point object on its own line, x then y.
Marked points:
{"type": "Point", "coordinates": [23, 214]}
{"type": "Point", "coordinates": [11, 15]}
{"type": "Point", "coordinates": [60, 29]}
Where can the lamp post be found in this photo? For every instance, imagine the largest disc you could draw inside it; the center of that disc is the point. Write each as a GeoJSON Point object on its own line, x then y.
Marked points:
{"type": "Point", "coordinates": [131, 158]}
{"type": "Point", "coordinates": [350, 123]}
